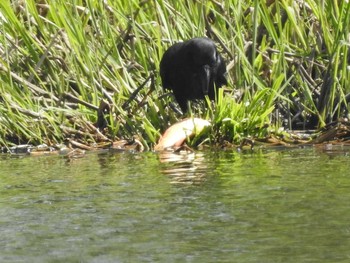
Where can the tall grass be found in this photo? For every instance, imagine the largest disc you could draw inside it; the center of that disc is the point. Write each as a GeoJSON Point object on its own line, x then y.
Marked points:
{"type": "Point", "coordinates": [60, 59]}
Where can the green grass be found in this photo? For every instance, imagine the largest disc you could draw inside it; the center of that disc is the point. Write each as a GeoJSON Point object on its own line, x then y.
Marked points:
{"type": "Point", "coordinates": [59, 59]}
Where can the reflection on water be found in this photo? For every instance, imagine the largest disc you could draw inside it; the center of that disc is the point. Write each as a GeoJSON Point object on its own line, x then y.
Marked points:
{"type": "Point", "coordinates": [287, 205]}
{"type": "Point", "coordinates": [183, 168]}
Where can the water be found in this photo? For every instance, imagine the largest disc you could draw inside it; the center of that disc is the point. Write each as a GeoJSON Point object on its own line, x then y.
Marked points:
{"type": "Point", "coordinates": [281, 205]}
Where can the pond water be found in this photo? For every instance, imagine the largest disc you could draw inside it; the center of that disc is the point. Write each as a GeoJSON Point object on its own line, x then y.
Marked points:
{"type": "Point", "coordinates": [281, 205]}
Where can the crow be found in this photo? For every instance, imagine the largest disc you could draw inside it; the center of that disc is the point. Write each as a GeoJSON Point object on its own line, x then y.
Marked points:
{"type": "Point", "coordinates": [192, 69]}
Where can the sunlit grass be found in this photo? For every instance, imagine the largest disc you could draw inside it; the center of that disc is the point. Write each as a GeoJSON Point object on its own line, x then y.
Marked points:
{"type": "Point", "coordinates": [289, 57]}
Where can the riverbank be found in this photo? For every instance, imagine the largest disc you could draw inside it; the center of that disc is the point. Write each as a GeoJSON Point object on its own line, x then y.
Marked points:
{"type": "Point", "coordinates": [87, 75]}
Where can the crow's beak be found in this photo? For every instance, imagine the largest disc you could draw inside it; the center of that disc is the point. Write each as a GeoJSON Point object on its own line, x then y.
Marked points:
{"type": "Point", "coordinates": [205, 78]}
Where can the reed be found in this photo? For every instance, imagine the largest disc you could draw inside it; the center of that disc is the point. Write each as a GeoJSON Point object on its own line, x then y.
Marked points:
{"type": "Point", "coordinates": [60, 59]}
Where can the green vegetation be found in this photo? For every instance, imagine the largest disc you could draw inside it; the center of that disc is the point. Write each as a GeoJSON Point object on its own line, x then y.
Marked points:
{"type": "Point", "coordinates": [59, 59]}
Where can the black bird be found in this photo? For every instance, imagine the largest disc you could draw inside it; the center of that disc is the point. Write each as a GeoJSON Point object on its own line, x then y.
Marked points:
{"type": "Point", "coordinates": [192, 69]}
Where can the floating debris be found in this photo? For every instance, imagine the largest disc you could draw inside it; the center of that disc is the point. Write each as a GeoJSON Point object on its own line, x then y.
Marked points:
{"type": "Point", "coordinates": [21, 149]}
{"type": "Point", "coordinates": [127, 145]}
